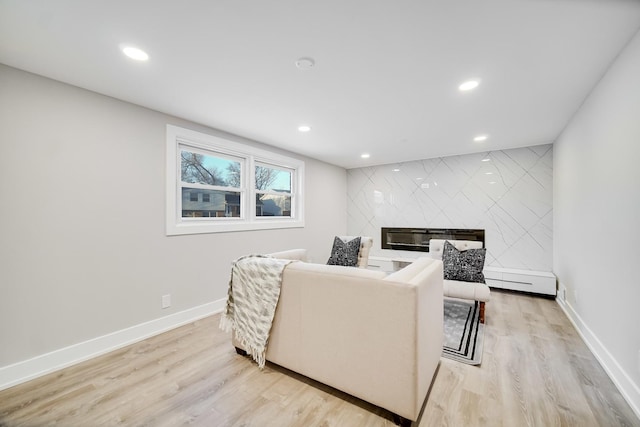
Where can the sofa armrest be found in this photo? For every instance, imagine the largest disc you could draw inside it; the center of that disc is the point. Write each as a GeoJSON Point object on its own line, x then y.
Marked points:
{"type": "Point", "coordinates": [430, 325]}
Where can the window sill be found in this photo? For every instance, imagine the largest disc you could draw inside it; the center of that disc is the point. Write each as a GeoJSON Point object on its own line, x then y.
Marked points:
{"type": "Point", "coordinates": [200, 228]}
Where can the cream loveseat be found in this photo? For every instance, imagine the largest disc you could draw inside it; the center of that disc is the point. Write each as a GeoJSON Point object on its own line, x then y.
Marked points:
{"type": "Point", "coordinates": [375, 336]}
{"type": "Point", "coordinates": [457, 289]}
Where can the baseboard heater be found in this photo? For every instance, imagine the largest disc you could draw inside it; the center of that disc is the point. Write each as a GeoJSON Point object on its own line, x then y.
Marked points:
{"type": "Point", "coordinates": [537, 282]}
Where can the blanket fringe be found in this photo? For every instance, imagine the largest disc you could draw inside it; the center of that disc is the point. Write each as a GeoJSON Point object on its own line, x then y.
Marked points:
{"type": "Point", "coordinates": [226, 324]}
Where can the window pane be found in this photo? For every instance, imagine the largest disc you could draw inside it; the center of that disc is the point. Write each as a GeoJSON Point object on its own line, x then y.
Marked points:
{"type": "Point", "coordinates": [203, 169]}
{"type": "Point", "coordinates": [273, 205]}
{"type": "Point", "coordinates": [212, 203]}
{"type": "Point", "coordinates": [270, 179]}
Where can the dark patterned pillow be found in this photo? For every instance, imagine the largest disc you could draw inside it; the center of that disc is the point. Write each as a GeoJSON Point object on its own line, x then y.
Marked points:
{"type": "Point", "coordinates": [345, 253]}
{"type": "Point", "coordinates": [465, 266]}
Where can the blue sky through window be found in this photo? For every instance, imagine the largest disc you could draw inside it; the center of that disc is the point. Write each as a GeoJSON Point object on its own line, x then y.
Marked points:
{"type": "Point", "coordinates": [282, 180]}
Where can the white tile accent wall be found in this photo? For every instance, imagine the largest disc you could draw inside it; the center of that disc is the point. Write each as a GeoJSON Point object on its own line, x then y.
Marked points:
{"type": "Point", "coordinates": [510, 197]}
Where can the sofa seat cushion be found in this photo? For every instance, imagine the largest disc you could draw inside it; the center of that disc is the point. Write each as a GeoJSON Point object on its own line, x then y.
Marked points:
{"type": "Point", "coordinates": [466, 290]}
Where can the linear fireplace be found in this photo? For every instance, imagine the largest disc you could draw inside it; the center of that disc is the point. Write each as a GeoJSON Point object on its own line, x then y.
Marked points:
{"type": "Point", "coordinates": [417, 239]}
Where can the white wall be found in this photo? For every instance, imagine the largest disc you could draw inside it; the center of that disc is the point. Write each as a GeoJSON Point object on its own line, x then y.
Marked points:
{"type": "Point", "coordinates": [597, 220]}
{"type": "Point", "coordinates": [509, 196]}
{"type": "Point", "coordinates": [83, 246]}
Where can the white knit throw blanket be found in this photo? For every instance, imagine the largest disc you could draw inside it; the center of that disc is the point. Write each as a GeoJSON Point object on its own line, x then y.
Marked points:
{"type": "Point", "coordinates": [254, 290]}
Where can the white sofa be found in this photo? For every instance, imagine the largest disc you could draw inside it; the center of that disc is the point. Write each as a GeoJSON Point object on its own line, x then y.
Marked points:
{"type": "Point", "coordinates": [375, 336]}
{"type": "Point", "coordinates": [456, 289]}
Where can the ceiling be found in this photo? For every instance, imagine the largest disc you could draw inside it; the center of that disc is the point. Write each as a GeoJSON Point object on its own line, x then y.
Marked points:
{"type": "Point", "coordinates": [386, 73]}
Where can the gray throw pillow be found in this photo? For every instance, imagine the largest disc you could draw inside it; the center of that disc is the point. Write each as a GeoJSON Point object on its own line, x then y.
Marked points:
{"type": "Point", "coordinates": [345, 253]}
{"type": "Point", "coordinates": [465, 266]}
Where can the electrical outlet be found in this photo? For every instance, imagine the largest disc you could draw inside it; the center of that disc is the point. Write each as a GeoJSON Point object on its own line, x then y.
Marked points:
{"type": "Point", "coordinates": [166, 301]}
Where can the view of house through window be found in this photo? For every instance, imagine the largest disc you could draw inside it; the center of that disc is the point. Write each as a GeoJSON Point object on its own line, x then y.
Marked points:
{"type": "Point", "coordinates": [210, 185]}
{"type": "Point", "coordinates": [273, 191]}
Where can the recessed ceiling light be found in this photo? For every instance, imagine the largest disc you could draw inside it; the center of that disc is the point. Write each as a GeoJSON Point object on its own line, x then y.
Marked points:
{"type": "Point", "coordinates": [365, 155]}
{"type": "Point", "coordinates": [304, 128]}
{"type": "Point", "coordinates": [305, 63]}
{"type": "Point", "coordinates": [486, 159]}
{"type": "Point", "coordinates": [492, 182]}
{"type": "Point", "coordinates": [468, 85]}
{"type": "Point", "coordinates": [396, 170]}
{"type": "Point", "coordinates": [419, 179]}
{"type": "Point", "coordinates": [480, 138]}
{"type": "Point", "coordinates": [488, 173]}
{"type": "Point", "coordinates": [134, 53]}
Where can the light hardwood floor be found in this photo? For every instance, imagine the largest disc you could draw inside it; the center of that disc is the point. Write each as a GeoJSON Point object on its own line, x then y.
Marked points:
{"type": "Point", "coordinates": [536, 371]}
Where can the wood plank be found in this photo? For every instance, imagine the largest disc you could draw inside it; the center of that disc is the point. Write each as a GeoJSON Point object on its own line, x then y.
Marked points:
{"type": "Point", "coordinates": [536, 371]}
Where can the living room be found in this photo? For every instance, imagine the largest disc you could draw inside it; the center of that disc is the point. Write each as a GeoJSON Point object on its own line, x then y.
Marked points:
{"type": "Point", "coordinates": [86, 255]}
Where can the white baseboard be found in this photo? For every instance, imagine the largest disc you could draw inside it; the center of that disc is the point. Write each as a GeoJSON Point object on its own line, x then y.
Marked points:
{"type": "Point", "coordinates": [38, 366]}
{"type": "Point", "coordinates": [627, 387]}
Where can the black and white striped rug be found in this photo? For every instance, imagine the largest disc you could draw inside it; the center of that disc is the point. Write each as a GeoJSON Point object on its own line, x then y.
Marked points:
{"type": "Point", "coordinates": [463, 332]}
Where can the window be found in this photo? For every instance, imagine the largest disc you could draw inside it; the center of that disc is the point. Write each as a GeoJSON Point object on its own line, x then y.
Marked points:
{"type": "Point", "coordinates": [273, 191]}
{"type": "Point", "coordinates": [216, 185]}
{"type": "Point", "coordinates": [217, 178]}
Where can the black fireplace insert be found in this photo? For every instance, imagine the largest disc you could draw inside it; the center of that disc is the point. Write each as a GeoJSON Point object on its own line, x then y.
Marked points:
{"type": "Point", "coordinates": [417, 239]}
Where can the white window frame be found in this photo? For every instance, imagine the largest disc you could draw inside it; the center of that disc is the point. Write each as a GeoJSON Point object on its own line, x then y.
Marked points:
{"type": "Point", "coordinates": [215, 146]}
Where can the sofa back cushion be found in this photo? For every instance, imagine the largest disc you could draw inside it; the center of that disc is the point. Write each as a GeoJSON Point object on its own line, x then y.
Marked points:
{"type": "Point", "coordinates": [295, 254]}
{"type": "Point", "coordinates": [363, 255]}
